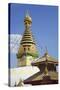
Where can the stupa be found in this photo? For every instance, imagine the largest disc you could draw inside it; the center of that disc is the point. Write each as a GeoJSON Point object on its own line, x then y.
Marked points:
{"type": "Point", "coordinates": [27, 50]}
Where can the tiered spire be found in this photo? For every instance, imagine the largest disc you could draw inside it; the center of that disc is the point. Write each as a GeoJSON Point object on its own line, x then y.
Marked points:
{"type": "Point", "coordinates": [27, 47]}
{"type": "Point", "coordinates": [27, 36]}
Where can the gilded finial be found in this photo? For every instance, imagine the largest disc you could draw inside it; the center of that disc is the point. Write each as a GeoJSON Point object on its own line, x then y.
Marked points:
{"type": "Point", "coordinates": [46, 51]}
{"type": "Point", "coordinates": [28, 19]}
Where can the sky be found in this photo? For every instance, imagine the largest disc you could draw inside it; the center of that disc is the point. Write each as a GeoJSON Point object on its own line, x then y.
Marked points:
{"type": "Point", "coordinates": [44, 28]}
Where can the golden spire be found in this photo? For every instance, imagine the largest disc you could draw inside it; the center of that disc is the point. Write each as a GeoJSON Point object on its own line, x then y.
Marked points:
{"type": "Point", "coordinates": [27, 20]}
{"type": "Point", "coordinates": [46, 69]}
{"type": "Point", "coordinates": [46, 52]}
{"type": "Point", "coordinates": [27, 36]}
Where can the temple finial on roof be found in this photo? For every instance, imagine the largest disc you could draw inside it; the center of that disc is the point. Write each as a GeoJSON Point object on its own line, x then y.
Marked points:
{"type": "Point", "coordinates": [46, 52]}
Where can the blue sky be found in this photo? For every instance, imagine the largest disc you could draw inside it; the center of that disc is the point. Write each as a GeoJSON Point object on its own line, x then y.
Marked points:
{"type": "Point", "coordinates": [44, 27]}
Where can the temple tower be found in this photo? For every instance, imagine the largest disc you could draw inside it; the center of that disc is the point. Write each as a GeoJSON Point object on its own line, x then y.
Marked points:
{"type": "Point", "coordinates": [27, 50]}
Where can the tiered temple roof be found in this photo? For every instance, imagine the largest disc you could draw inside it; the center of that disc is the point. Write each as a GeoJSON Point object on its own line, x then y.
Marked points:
{"type": "Point", "coordinates": [45, 58]}
{"type": "Point", "coordinates": [39, 78]}
{"type": "Point", "coordinates": [47, 74]}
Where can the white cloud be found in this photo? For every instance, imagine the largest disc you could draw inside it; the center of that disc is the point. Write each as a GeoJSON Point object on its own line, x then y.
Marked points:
{"type": "Point", "coordinates": [14, 42]}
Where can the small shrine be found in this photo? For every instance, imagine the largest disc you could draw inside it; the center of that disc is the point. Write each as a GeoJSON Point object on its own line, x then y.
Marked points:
{"type": "Point", "coordinates": [47, 74]}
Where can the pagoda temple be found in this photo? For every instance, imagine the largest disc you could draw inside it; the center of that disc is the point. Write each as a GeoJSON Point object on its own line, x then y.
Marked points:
{"type": "Point", "coordinates": [47, 74]}
{"type": "Point", "coordinates": [27, 50]}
